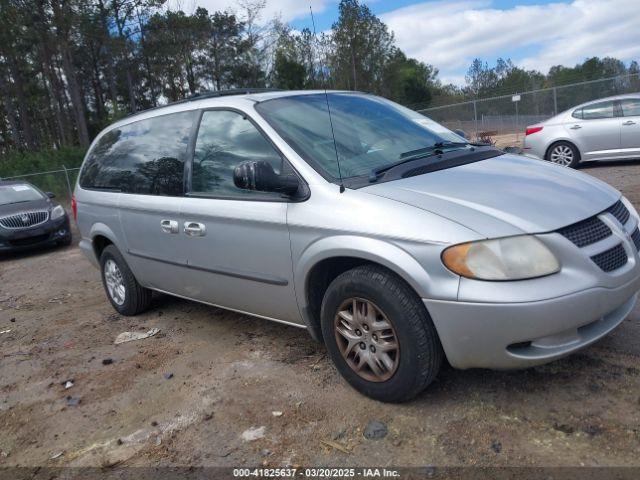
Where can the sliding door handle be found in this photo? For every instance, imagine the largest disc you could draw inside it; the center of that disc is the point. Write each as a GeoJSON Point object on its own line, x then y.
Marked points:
{"type": "Point", "coordinates": [169, 226]}
{"type": "Point", "coordinates": [194, 229]}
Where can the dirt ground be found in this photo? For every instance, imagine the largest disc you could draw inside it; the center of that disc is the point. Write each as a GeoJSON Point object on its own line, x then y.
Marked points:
{"type": "Point", "coordinates": [231, 372]}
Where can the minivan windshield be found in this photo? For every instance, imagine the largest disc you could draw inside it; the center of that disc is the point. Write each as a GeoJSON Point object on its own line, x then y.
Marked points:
{"type": "Point", "coordinates": [371, 133]}
{"type": "Point", "coordinates": [18, 193]}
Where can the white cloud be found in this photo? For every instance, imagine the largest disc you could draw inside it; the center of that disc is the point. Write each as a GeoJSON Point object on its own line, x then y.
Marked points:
{"type": "Point", "coordinates": [287, 10]}
{"type": "Point", "coordinates": [450, 34]}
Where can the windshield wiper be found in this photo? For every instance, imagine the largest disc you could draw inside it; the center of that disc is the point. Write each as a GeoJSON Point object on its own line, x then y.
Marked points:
{"type": "Point", "coordinates": [438, 146]}
{"type": "Point", "coordinates": [411, 155]}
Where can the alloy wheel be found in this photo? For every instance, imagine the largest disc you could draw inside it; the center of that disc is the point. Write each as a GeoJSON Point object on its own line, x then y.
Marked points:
{"type": "Point", "coordinates": [367, 340]}
{"type": "Point", "coordinates": [562, 155]}
{"type": "Point", "coordinates": [114, 281]}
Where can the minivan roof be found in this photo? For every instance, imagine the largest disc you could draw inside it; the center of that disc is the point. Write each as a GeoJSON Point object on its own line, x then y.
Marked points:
{"type": "Point", "coordinates": [214, 99]}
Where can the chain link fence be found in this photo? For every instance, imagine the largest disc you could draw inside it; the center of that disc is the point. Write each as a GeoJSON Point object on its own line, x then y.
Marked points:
{"type": "Point", "coordinates": [60, 182]}
{"type": "Point", "coordinates": [503, 119]}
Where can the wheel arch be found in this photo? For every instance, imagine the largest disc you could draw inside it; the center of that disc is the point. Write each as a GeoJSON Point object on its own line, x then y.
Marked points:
{"type": "Point", "coordinates": [324, 260]}
{"type": "Point", "coordinates": [101, 236]}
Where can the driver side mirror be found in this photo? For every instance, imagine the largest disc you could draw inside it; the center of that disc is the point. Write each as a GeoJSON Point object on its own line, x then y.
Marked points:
{"type": "Point", "coordinates": [260, 176]}
{"type": "Point", "coordinates": [51, 195]}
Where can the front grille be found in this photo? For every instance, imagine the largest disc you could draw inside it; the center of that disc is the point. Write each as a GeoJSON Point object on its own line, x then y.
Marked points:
{"type": "Point", "coordinates": [635, 236]}
{"type": "Point", "coordinates": [619, 211]}
{"type": "Point", "coordinates": [586, 232]}
{"type": "Point", "coordinates": [24, 219]}
{"type": "Point", "coordinates": [611, 259]}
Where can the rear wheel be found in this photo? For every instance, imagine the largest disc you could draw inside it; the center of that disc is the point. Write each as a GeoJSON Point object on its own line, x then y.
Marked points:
{"type": "Point", "coordinates": [563, 153]}
{"type": "Point", "coordinates": [379, 335]}
{"type": "Point", "coordinates": [124, 292]}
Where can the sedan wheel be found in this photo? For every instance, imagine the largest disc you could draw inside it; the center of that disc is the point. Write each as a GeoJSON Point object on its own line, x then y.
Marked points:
{"type": "Point", "coordinates": [562, 155]}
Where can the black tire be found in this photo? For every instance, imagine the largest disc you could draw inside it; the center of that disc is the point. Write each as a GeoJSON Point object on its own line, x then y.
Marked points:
{"type": "Point", "coordinates": [136, 298]}
{"type": "Point", "coordinates": [419, 346]}
{"type": "Point", "coordinates": [576, 154]}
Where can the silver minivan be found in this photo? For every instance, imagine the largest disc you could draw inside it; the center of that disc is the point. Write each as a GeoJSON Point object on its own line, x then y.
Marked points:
{"type": "Point", "coordinates": [385, 235]}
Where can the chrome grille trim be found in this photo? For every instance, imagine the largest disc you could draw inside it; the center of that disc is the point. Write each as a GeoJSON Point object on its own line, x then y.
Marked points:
{"type": "Point", "coordinates": [635, 236]}
{"type": "Point", "coordinates": [619, 211]}
{"type": "Point", "coordinates": [24, 219]}
{"type": "Point", "coordinates": [586, 232]}
{"type": "Point", "coordinates": [594, 236]}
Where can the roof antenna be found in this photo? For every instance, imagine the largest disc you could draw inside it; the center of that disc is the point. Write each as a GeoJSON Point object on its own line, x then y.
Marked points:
{"type": "Point", "coordinates": [326, 97]}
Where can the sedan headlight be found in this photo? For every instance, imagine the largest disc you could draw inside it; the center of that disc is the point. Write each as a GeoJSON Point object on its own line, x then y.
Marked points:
{"type": "Point", "coordinates": [509, 258]}
{"type": "Point", "coordinates": [57, 212]}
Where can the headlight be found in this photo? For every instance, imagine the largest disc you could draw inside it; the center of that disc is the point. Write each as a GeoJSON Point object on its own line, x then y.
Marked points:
{"type": "Point", "coordinates": [57, 212]}
{"type": "Point", "coordinates": [509, 258]}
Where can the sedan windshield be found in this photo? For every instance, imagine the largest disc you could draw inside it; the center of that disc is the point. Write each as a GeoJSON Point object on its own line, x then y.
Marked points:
{"type": "Point", "coordinates": [371, 133]}
{"type": "Point", "coordinates": [18, 193]}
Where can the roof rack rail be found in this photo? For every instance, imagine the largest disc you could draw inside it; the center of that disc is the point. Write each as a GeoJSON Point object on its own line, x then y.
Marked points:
{"type": "Point", "coordinates": [211, 94]}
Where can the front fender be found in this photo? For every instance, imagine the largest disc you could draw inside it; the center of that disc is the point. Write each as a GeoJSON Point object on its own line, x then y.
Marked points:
{"type": "Point", "coordinates": [378, 251]}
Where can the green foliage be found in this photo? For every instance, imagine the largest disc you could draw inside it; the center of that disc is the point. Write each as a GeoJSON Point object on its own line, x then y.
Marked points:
{"type": "Point", "coordinates": [289, 74]}
{"type": "Point", "coordinates": [21, 162]}
{"type": "Point", "coordinates": [408, 81]}
{"type": "Point", "coordinates": [362, 45]}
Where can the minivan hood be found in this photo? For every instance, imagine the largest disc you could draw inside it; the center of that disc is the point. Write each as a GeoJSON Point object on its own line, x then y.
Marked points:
{"type": "Point", "coordinates": [504, 195]}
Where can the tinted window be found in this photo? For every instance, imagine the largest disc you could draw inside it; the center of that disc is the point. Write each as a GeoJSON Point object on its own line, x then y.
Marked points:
{"type": "Point", "coordinates": [145, 157]}
{"type": "Point", "coordinates": [598, 110]}
{"type": "Point", "coordinates": [226, 139]}
{"type": "Point", "coordinates": [369, 131]}
{"type": "Point", "coordinates": [18, 193]}
{"type": "Point", "coordinates": [577, 113]}
{"type": "Point", "coordinates": [630, 107]}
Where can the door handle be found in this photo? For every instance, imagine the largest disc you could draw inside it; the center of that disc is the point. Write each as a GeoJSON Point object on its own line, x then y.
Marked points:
{"type": "Point", "coordinates": [576, 127]}
{"type": "Point", "coordinates": [629, 122]}
{"type": "Point", "coordinates": [169, 226]}
{"type": "Point", "coordinates": [194, 229]}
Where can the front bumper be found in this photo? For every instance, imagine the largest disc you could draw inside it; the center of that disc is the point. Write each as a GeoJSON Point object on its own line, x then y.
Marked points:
{"type": "Point", "coordinates": [518, 335]}
{"type": "Point", "coordinates": [51, 232]}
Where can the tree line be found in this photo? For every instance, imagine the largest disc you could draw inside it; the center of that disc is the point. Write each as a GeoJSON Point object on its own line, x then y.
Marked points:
{"type": "Point", "coordinates": [68, 68]}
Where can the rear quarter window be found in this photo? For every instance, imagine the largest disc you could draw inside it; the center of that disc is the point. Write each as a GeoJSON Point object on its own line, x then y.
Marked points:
{"type": "Point", "coordinates": [598, 110]}
{"type": "Point", "coordinates": [143, 157]}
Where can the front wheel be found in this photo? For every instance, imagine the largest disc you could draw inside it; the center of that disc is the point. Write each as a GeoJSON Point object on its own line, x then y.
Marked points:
{"type": "Point", "coordinates": [124, 292]}
{"type": "Point", "coordinates": [564, 153]}
{"type": "Point", "coordinates": [379, 334]}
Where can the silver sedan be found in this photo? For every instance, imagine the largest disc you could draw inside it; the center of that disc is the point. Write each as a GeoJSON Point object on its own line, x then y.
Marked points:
{"type": "Point", "coordinates": [605, 129]}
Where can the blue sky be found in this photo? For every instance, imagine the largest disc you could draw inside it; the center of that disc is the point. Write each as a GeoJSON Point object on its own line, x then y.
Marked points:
{"type": "Point", "coordinates": [535, 34]}
{"type": "Point", "coordinates": [325, 18]}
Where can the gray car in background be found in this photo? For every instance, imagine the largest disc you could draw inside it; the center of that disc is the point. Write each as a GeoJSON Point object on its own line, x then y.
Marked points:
{"type": "Point", "coordinates": [605, 129]}
{"type": "Point", "coordinates": [385, 235]}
